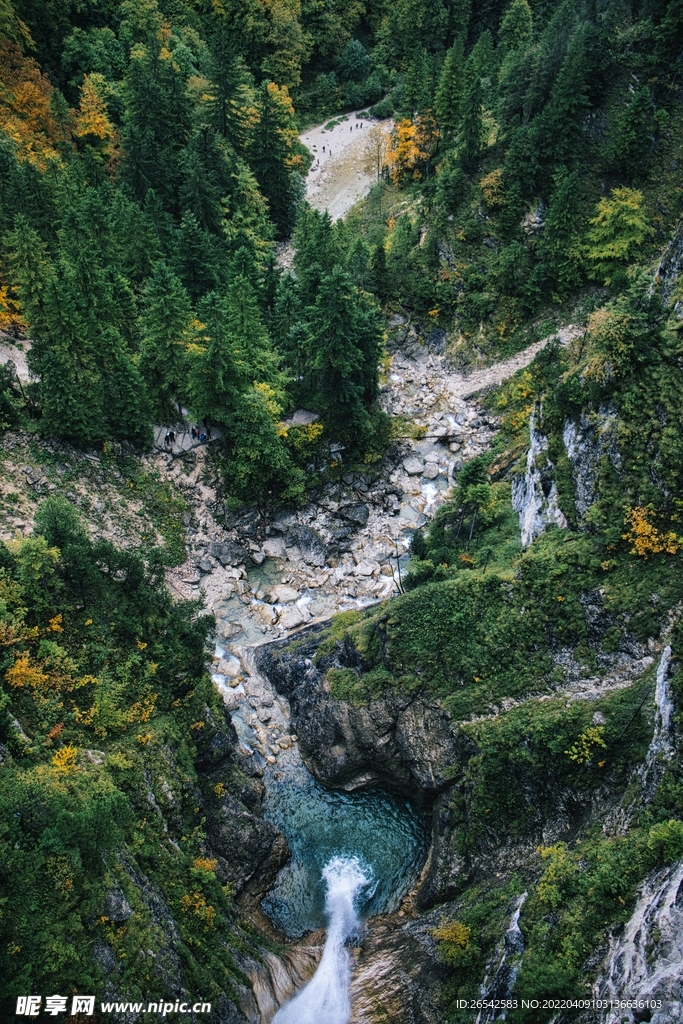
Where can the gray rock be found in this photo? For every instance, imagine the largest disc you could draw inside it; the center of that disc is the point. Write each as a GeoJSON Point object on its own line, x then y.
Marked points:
{"type": "Point", "coordinates": [116, 906]}
{"type": "Point", "coordinates": [231, 629]}
{"type": "Point", "coordinates": [282, 594]}
{"type": "Point", "coordinates": [250, 850]}
{"type": "Point", "coordinates": [290, 618]}
{"type": "Point", "coordinates": [284, 522]}
{"type": "Point", "coordinates": [274, 547]}
{"type": "Point", "coordinates": [309, 543]}
{"type": "Point", "coordinates": [358, 514]}
{"type": "Point", "coordinates": [413, 466]}
{"type": "Point", "coordinates": [228, 553]}
{"type": "Point", "coordinates": [205, 564]}
{"type": "Point", "coordinates": [436, 341]}
{"type": "Point", "coordinates": [431, 471]}
{"type": "Point", "coordinates": [267, 614]}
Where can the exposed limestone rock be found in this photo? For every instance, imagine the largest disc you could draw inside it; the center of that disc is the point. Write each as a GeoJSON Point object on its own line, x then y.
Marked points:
{"type": "Point", "coordinates": [534, 493]}
{"type": "Point", "coordinates": [586, 442]}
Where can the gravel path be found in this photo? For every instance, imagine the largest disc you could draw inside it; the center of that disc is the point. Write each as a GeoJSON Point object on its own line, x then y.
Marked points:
{"type": "Point", "coordinates": [492, 376]}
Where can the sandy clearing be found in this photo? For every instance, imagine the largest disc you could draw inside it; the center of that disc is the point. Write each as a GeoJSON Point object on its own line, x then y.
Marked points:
{"type": "Point", "coordinates": [338, 177]}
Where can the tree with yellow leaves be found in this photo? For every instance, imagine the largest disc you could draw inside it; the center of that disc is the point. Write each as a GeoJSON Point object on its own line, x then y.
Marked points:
{"type": "Point", "coordinates": [93, 125]}
{"type": "Point", "coordinates": [26, 112]}
{"type": "Point", "coordinates": [410, 147]}
{"type": "Point", "coordinates": [644, 536]}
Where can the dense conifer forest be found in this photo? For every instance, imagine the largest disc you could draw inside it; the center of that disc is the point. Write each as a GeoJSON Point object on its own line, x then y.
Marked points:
{"type": "Point", "coordinates": [150, 173]}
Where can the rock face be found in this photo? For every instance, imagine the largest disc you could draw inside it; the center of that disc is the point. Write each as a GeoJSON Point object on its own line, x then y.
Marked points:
{"type": "Point", "coordinates": [586, 442]}
{"type": "Point", "coordinates": [534, 494]}
{"type": "Point", "coordinates": [402, 742]}
{"type": "Point", "coordinates": [250, 850]}
{"type": "Point", "coordinates": [646, 961]}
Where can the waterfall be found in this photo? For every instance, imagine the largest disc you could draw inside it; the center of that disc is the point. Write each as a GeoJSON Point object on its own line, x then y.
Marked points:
{"type": "Point", "coordinates": [325, 1000]}
{"type": "Point", "coordinates": [661, 746]}
{"type": "Point", "coordinates": [500, 984]}
{"type": "Point", "coordinates": [646, 961]}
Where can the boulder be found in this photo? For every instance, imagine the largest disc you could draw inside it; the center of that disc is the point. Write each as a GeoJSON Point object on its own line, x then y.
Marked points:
{"type": "Point", "coordinates": [290, 618]}
{"type": "Point", "coordinates": [274, 547]}
{"type": "Point", "coordinates": [267, 614]}
{"type": "Point", "coordinates": [413, 466]}
{"type": "Point", "coordinates": [229, 667]}
{"type": "Point", "coordinates": [258, 557]}
{"type": "Point", "coordinates": [283, 522]}
{"type": "Point", "coordinates": [309, 543]}
{"type": "Point", "coordinates": [231, 629]}
{"type": "Point", "coordinates": [116, 906]}
{"type": "Point", "coordinates": [366, 568]}
{"type": "Point", "coordinates": [357, 513]}
{"type": "Point", "coordinates": [228, 553]}
{"type": "Point", "coordinates": [431, 471]}
{"type": "Point", "coordinates": [282, 594]}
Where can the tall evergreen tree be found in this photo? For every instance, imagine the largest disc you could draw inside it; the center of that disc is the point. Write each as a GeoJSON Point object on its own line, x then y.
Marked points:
{"type": "Point", "coordinates": [238, 353]}
{"type": "Point", "coordinates": [272, 153]}
{"type": "Point", "coordinates": [166, 317]}
{"type": "Point", "coordinates": [471, 135]}
{"type": "Point", "coordinates": [517, 25]}
{"type": "Point", "coordinates": [344, 358]}
{"type": "Point", "coordinates": [449, 90]}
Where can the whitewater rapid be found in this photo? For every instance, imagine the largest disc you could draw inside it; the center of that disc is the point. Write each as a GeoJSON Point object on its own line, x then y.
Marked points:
{"type": "Point", "coordinates": [325, 1000]}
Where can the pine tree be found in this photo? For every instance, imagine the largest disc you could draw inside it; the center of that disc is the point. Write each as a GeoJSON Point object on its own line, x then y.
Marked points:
{"type": "Point", "coordinates": [233, 111]}
{"type": "Point", "coordinates": [125, 405]}
{"type": "Point", "coordinates": [471, 135]}
{"type": "Point", "coordinates": [157, 120]}
{"type": "Point", "coordinates": [517, 25]}
{"type": "Point", "coordinates": [316, 250]}
{"type": "Point", "coordinates": [344, 358]}
{"type": "Point", "coordinates": [379, 270]}
{"type": "Point", "coordinates": [560, 249]}
{"type": "Point", "coordinates": [199, 191]}
{"type": "Point", "coordinates": [198, 259]}
{"type": "Point", "coordinates": [238, 353]}
{"type": "Point", "coordinates": [630, 140]}
{"type": "Point", "coordinates": [449, 91]}
{"type": "Point", "coordinates": [272, 155]}
{"type": "Point", "coordinates": [259, 468]}
{"type": "Point", "coordinates": [166, 317]}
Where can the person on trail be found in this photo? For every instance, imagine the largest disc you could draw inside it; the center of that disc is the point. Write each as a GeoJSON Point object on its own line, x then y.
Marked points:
{"type": "Point", "coordinates": [195, 433]}
{"type": "Point", "coordinates": [167, 440]}
{"type": "Point", "coordinates": [323, 149]}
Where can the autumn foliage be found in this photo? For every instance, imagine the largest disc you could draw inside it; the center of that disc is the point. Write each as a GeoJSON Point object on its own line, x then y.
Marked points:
{"type": "Point", "coordinates": [26, 111]}
{"type": "Point", "coordinates": [411, 146]}
{"type": "Point", "coordinates": [644, 536]}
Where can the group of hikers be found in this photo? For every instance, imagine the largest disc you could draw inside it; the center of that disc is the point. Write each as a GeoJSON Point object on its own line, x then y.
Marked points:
{"type": "Point", "coordinates": [200, 434]}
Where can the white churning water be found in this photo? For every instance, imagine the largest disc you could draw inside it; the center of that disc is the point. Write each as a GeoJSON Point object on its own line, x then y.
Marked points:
{"type": "Point", "coordinates": [325, 1000]}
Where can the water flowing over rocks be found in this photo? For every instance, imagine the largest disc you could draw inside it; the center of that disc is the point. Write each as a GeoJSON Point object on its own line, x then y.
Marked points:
{"type": "Point", "coordinates": [646, 961]}
{"type": "Point", "coordinates": [662, 747]}
{"type": "Point", "coordinates": [502, 972]}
